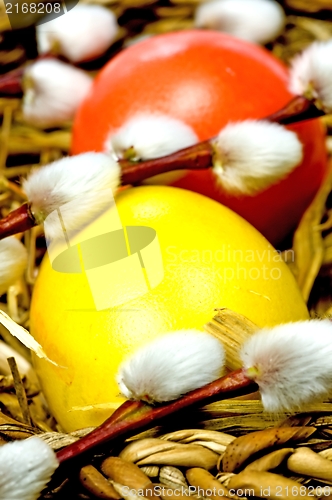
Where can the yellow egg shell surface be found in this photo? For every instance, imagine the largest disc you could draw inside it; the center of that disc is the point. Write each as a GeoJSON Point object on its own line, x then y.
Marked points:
{"type": "Point", "coordinates": [211, 259]}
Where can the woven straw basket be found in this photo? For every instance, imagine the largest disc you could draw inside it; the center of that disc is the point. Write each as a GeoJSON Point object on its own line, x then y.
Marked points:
{"type": "Point", "coordinates": [179, 453]}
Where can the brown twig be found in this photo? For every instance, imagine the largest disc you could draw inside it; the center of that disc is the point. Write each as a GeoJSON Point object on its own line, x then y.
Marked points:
{"type": "Point", "coordinates": [197, 157]}
{"type": "Point", "coordinates": [17, 221]}
{"type": "Point", "coordinates": [20, 391]}
{"type": "Point", "coordinates": [11, 83]}
{"type": "Point", "coordinates": [135, 415]}
{"type": "Point", "coordinates": [297, 110]}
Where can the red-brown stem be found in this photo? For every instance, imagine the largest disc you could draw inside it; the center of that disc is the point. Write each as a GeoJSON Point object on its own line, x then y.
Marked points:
{"type": "Point", "coordinates": [125, 411]}
{"type": "Point", "coordinates": [195, 157]}
{"type": "Point", "coordinates": [198, 156]}
{"type": "Point", "coordinates": [297, 110]}
{"type": "Point", "coordinates": [11, 84]}
{"type": "Point", "coordinates": [17, 221]}
{"type": "Point", "coordinates": [134, 416]}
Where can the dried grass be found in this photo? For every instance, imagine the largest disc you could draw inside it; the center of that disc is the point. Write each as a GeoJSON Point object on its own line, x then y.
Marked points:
{"type": "Point", "coordinates": [23, 147]}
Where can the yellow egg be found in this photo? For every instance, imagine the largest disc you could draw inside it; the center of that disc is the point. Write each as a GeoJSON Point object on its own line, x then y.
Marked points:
{"type": "Point", "coordinates": [211, 258]}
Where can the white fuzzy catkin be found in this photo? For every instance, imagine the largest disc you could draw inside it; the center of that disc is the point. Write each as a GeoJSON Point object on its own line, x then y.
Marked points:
{"type": "Point", "coordinates": [13, 262]}
{"type": "Point", "coordinates": [147, 136]}
{"type": "Point", "coordinates": [170, 366]}
{"type": "Point", "coordinates": [291, 363]}
{"type": "Point", "coordinates": [311, 74]}
{"type": "Point", "coordinates": [83, 33]}
{"type": "Point", "coordinates": [53, 91]}
{"type": "Point", "coordinates": [252, 155]}
{"type": "Point", "coordinates": [258, 21]}
{"type": "Point", "coordinates": [26, 467]}
{"type": "Point", "coordinates": [79, 185]}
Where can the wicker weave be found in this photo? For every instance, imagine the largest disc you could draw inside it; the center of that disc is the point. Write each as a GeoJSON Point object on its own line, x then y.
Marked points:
{"type": "Point", "coordinates": [23, 147]}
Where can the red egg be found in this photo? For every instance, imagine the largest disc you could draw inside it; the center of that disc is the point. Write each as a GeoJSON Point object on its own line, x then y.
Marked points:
{"type": "Point", "coordinates": [206, 79]}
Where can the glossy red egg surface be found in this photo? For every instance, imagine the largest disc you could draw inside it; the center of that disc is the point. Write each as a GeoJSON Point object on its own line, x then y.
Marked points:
{"type": "Point", "coordinates": [206, 79]}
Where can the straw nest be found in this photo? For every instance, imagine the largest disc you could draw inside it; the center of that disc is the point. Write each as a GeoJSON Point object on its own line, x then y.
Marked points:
{"type": "Point", "coordinates": [205, 454]}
